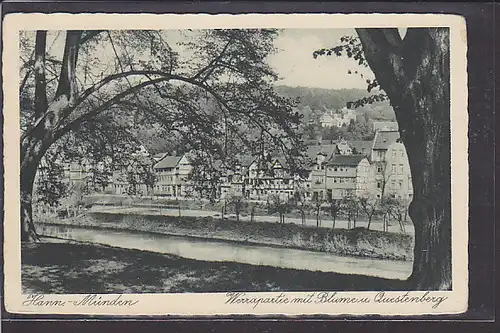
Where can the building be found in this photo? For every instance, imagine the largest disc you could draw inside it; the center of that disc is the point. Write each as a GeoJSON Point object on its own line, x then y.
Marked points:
{"type": "Point", "coordinates": [338, 117]}
{"type": "Point", "coordinates": [385, 126]}
{"type": "Point", "coordinates": [343, 147]}
{"type": "Point", "coordinates": [172, 176]}
{"type": "Point", "coordinates": [391, 167]}
{"type": "Point", "coordinates": [377, 168]}
{"type": "Point", "coordinates": [362, 147]}
{"type": "Point", "coordinates": [339, 176]}
{"type": "Point", "coordinates": [134, 178]}
{"type": "Point", "coordinates": [268, 176]}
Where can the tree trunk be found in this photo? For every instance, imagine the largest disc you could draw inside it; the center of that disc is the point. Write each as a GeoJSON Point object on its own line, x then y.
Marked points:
{"type": "Point", "coordinates": [28, 230]}
{"type": "Point", "coordinates": [415, 74]}
{"type": "Point", "coordinates": [369, 223]}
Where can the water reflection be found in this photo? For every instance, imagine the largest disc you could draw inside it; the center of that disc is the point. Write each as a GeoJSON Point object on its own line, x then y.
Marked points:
{"type": "Point", "coordinates": [212, 250]}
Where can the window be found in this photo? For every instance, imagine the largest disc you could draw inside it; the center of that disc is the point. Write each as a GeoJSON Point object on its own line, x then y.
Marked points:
{"type": "Point", "coordinates": [394, 168]}
{"type": "Point", "coordinates": [394, 152]}
{"type": "Point", "coordinates": [335, 168]}
{"type": "Point", "coordinates": [401, 169]}
{"type": "Point", "coordinates": [379, 169]}
{"type": "Point", "coordinates": [402, 152]}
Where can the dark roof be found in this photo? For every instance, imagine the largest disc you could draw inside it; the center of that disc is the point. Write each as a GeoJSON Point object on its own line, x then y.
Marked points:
{"type": "Point", "coordinates": [383, 139]}
{"type": "Point", "coordinates": [350, 160]}
{"type": "Point", "coordinates": [312, 151]}
{"type": "Point", "coordinates": [361, 146]}
{"type": "Point", "coordinates": [159, 156]}
{"type": "Point", "coordinates": [168, 162]}
{"type": "Point", "coordinates": [311, 142]}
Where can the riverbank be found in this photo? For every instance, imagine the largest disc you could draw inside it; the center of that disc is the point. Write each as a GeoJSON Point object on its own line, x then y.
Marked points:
{"type": "Point", "coordinates": [49, 267]}
{"type": "Point", "coordinates": [353, 242]}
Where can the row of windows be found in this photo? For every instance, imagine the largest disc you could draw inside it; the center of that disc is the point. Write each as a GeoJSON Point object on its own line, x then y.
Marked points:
{"type": "Point", "coordinates": [394, 185]}
{"type": "Point", "coordinates": [272, 182]}
{"type": "Point", "coordinates": [396, 151]}
{"type": "Point", "coordinates": [322, 167]}
{"type": "Point", "coordinates": [394, 169]}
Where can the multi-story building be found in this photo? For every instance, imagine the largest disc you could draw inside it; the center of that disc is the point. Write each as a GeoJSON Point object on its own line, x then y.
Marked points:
{"type": "Point", "coordinates": [391, 167]}
{"type": "Point", "coordinates": [268, 177]}
{"type": "Point", "coordinates": [338, 117]}
{"type": "Point", "coordinates": [337, 176]}
{"type": "Point", "coordinates": [338, 169]}
{"type": "Point", "coordinates": [172, 176]}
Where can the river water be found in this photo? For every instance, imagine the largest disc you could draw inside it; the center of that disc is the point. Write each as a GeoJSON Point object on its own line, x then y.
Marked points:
{"type": "Point", "coordinates": [222, 251]}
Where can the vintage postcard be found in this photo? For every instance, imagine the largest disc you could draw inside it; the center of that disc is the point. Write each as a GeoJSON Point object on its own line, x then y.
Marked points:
{"type": "Point", "coordinates": [201, 165]}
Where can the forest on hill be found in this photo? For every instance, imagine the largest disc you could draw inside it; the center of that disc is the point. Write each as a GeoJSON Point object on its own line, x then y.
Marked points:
{"type": "Point", "coordinates": [320, 99]}
{"type": "Point", "coordinates": [311, 103]}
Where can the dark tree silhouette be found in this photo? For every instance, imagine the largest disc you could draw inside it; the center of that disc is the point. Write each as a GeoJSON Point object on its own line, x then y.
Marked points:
{"type": "Point", "coordinates": [414, 74]}
{"type": "Point", "coordinates": [146, 81]}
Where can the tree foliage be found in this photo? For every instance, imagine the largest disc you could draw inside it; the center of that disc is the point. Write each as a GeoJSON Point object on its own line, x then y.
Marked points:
{"type": "Point", "coordinates": [107, 85]}
{"type": "Point", "coordinates": [351, 47]}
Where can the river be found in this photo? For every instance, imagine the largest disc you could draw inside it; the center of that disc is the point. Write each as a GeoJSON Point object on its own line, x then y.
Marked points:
{"type": "Point", "coordinates": [223, 251]}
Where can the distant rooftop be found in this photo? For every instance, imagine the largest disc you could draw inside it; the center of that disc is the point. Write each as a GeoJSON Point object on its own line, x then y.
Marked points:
{"type": "Point", "coordinates": [383, 139]}
{"type": "Point", "coordinates": [385, 126]}
{"type": "Point", "coordinates": [346, 160]}
{"type": "Point", "coordinates": [168, 162]}
{"type": "Point", "coordinates": [361, 146]}
{"type": "Point", "coordinates": [328, 149]}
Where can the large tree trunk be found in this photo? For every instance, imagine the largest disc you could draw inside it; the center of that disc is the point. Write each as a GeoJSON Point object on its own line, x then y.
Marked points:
{"type": "Point", "coordinates": [36, 140]}
{"type": "Point", "coordinates": [28, 172]}
{"type": "Point", "coordinates": [415, 74]}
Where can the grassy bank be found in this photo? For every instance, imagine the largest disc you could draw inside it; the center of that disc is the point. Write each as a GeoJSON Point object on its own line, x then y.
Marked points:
{"type": "Point", "coordinates": [353, 242]}
{"type": "Point", "coordinates": [78, 268]}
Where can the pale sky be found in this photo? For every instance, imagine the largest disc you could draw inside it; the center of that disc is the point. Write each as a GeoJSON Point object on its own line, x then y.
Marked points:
{"type": "Point", "coordinates": [293, 60]}
{"type": "Point", "coordinates": [297, 67]}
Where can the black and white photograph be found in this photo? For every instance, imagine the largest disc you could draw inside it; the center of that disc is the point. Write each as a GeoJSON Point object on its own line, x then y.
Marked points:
{"type": "Point", "coordinates": [265, 165]}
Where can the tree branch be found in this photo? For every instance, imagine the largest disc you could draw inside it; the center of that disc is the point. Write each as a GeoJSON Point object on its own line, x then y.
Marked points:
{"type": "Point", "coordinates": [67, 81]}
{"type": "Point", "coordinates": [383, 52]}
{"type": "Point", "coordinates": [41, 104]}
{"type": "Point", "coordinates": [89, 35]}
{"type": "Point", "coordinates": [77, 121]}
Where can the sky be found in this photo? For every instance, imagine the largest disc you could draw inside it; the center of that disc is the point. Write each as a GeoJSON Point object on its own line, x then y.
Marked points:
{"type": "Point", "coordinates": [296, 66]}
{"type": "Point", "coordinates": [293, 60]}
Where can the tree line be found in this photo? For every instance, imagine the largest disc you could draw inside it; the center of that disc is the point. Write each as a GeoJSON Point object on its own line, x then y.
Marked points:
{"type": "Point", "coordinates": [349, 208]}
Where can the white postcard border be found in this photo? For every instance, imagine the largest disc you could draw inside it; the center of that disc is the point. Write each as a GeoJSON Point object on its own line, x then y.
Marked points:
{"type": "Point", "coordinates": [216, 303]}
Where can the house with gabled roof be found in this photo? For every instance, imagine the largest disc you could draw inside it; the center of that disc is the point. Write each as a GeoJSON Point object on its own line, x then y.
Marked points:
{"type": "Point", "coordinates": [391, 166]}
{"type": "Point", "coordinates": [172, 176]}
{"type": "Point", "coordinates": [267, 176]}
{"type": "Point", "coordinates": [347, 175]}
